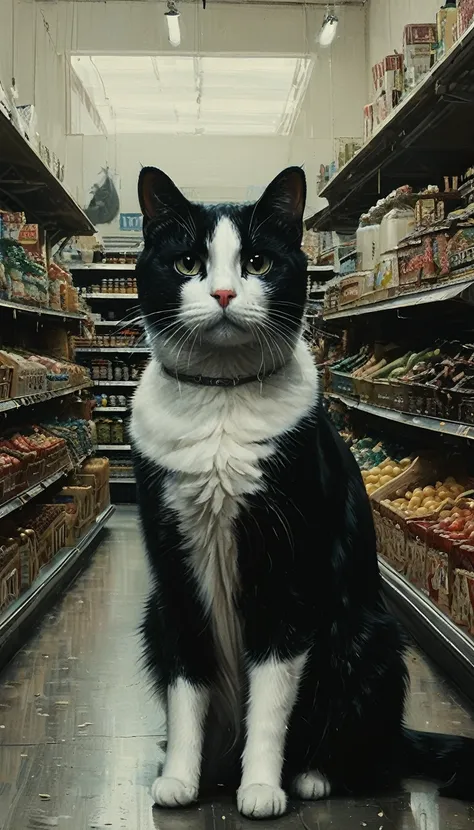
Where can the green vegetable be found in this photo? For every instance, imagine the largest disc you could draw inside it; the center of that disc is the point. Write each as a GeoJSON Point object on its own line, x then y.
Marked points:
{"type": "Point", "coordinates": [396, 364]}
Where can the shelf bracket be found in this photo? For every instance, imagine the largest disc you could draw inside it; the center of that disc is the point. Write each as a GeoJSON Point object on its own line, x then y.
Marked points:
{"type": "Point", "coordinates": [456, 93]}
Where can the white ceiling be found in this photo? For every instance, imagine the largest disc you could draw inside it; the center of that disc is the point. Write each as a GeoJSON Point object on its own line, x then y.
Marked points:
{"type": "Point", "coordinates": [193, 95]}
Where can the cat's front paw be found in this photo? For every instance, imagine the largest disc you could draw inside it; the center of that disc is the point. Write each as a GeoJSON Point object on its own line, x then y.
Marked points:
{"type": "Point", "coordinates": [311, 786]}
{"type": "Point", "coordinates": [171, 792]}
{"type": "Point", "coordinates": [261, 801]}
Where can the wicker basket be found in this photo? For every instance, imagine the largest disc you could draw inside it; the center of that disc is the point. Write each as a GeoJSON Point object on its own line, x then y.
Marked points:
{"type": "Point", "coordinates": [462, 599]}
{"type": "Point", "coordinates": [10, 572]}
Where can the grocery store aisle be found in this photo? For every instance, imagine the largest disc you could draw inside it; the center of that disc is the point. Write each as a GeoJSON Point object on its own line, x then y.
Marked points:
{"type": "Point", "coordinates": [80, 733]}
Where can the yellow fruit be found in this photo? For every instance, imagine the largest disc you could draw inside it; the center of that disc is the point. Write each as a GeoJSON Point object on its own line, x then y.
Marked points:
{"type": "Point", "coordinates": [429, 491]}
{"type": "Point", "coordinates": [418, 491]}
{"type": "Point", "coordinates": [408, 495]}
{"type": "Point", "coordinates": [388, 470]}
{"type": "Point", "coordinates": [405, 462]}
{"type": "Point", "coordinates": [442, 493]}
{"type": "Point", "coordinates": [429, 505]}
{"type": "Point", "coordinates": [396, 471]}
{"type": "Point", "coordinates": [422, 511]}
{"type": "Point", "coordinates": [385, 480]}
{"type": "Point", "coordinates": [375, 471]}
{"type": "Point", "coordinates": [415, 503]}
{"type": "Point", "coordinates": [371, 488]}
{"type": "Point", "coordinates": [371, 479]}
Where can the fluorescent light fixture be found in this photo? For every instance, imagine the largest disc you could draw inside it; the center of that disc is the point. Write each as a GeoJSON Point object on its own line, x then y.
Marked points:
{"type": "Point", "coordinates": [156, 94]}
{"type": "Point", "coordinates": [172, 19]}
{"type": "Point", "coordinates": [329, 29]}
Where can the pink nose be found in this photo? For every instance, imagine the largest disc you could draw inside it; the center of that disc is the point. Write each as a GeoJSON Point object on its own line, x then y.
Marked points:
{"type": "Point", "coordinates": [224, 297]}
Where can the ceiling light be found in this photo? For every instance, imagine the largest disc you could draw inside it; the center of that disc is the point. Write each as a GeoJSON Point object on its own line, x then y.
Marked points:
{"type": "Point", "coordinates": [329, 29]}
{"type": "Point", "coordinates": [172, 19]}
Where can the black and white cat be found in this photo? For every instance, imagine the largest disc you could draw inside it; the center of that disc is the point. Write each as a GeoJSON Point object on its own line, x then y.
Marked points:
{"type": "Point", "coordinates": [266, 600]}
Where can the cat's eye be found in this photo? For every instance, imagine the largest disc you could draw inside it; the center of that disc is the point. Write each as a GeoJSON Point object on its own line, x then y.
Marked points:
{"type": "Point", "coordinates": [188, 266]}
{"type": "Point", "coordinates": [258, 265]}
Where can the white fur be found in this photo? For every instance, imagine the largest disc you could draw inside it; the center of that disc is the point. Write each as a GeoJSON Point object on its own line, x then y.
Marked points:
{"type": "Point", "coordinates": [178, 784]}
{"type": "Point", "coordinates": [210, 439]}
{"type": "Point", "coordinates": [311, 786]}
{"type": "Point", "coordinates": [273, 691]}
{"type": "Point", "coordinates": [199, 309]}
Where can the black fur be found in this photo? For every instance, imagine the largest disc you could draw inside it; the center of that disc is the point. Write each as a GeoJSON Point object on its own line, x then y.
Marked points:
{"type": "Point", "coordinates": [307, 562]}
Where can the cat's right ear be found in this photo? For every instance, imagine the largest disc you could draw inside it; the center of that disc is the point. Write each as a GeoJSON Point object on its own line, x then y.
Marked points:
{"type": "Point", "coordinates": [158, 195]}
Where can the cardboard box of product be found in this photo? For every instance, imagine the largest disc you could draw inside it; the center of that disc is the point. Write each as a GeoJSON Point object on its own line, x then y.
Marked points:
{"type": "Point", "coordinates": [446, 25]}
{"type": "Point", "coordinates": [465, 15]}
{"type": "Point", "coordinates": [368, 121]}
{"type": "Point", "coordinates": [419, 42]}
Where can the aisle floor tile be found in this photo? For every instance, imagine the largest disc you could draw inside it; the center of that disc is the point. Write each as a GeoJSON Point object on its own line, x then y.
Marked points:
{"type": "Point", "coordinates": [81, 734]}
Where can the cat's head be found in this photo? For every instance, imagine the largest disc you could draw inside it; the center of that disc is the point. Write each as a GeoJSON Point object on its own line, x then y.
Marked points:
{"type": "Point", "coordinates": [226, 282]}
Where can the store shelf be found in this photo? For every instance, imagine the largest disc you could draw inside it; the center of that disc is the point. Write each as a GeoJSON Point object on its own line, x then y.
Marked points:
{"type": "Point", "coordinates": [27, 184]}
{"type": "Point", "coordinates": [18, 619]}
{"type": "Point", "coordinates": [103, 410]}
{"type": "Point", "coordinates": [109, 447]}
{"type": "Point", "coordinates": [115, 382]}
{"type": "Point", "coordinates": [122, 323]}
{"type": "Point", "coordinates": [100, 266]}
{"type": "Point", "coordinates": [434, 631]}
{"type": "Point", "coordinates": [109, 296]}
{"type": "Point", "coordinates": [453, 429]}
{"type": "Point", "coordinates": [413, 145]}
{"type": "Point", "coordinates": [41, 397]}
{"type": "Point", "coordinates": [22, 308]}
{"type": "Point", "coordinates": [113, 349]}
{"type": "Point", "coordinates": [462, 291]}
{"type": "Point", "coordinates": [31, 492]}
{"type": "Point", "coordinates": [122, 481]}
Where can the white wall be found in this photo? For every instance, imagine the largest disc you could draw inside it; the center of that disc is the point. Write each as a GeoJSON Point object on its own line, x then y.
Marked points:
{"type": "Point", "coordinates": [29, 53]}
{"type": "Point", "coordinates": [218, 168]}
{"type": "Point", "coordinates": [386, 20]}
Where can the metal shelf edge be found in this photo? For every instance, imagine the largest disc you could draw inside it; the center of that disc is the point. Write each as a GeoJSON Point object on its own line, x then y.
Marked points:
{"type": "Point", "coordinates": [42, 397]}
{"type": "Point", "coordinates": [437, 634]}
{"type": "Point", "coordinates": [454, 429]}
{"type": "Point", "coordinates": [107, 447]}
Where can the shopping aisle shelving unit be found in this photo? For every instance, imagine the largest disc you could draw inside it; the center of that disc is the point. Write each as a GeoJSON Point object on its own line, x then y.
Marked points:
{"type": "Point", "coordinates": [18, 621]}
{"type": "Point", "coordinates": [424, 140]}
{"type": "Point", "coordinates": [114, 309]}
{"type": "Point", "coordinates": [434, 630]}
{"type": "Point", "coordinates": [29, 186]}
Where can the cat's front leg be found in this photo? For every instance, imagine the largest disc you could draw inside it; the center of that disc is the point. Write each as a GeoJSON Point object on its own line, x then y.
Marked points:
{"type": "Point", "coordinates": [178, 784]}
{"type": "Point", "coordinates": [273, 689]}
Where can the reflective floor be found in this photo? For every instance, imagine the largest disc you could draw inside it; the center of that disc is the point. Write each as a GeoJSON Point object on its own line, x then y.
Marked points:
{"type": "Point", "coordinates": [80, 734]}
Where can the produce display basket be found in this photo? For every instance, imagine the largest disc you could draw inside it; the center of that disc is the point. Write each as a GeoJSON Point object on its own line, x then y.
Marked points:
{"type": "Point", "coordinates": [6, 375]}
{"type": "Point", "coordinates": [462, 600]}
{"type": "Point", "coordinates": [364, 389]}
{"type": "Point", "coordinates": [10, 572]}
{"type": "Point", "coordinates": [35, 472]}
{"type": "Point", "coordinates": [341, 383]}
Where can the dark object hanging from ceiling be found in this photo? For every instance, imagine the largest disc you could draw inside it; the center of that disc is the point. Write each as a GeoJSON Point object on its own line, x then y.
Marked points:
{"type": "Point", "coordinates": [105, 203]}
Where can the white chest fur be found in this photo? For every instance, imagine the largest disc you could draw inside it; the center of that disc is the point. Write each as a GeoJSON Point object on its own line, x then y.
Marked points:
{"type": "Point", "coordinates": [212, 442]}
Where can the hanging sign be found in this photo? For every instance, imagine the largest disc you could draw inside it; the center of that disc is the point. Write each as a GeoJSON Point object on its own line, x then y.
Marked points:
{"type": "Point", "coordinates": [131, 221]}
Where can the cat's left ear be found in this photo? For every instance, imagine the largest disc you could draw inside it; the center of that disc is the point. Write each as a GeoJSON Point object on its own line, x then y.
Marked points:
{"type": "Point", "coordinates": [286, 196]}
{"type": "Point", "coordinates": [158, 195]}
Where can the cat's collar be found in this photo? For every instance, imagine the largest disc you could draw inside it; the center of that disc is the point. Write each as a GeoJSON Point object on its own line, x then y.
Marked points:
{"type": "Point", "coordinates": [223, 383]}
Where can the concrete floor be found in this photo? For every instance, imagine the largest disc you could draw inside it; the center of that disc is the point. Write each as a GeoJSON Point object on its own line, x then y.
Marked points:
{"type": "Point", "coordinates": [80, 732]}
